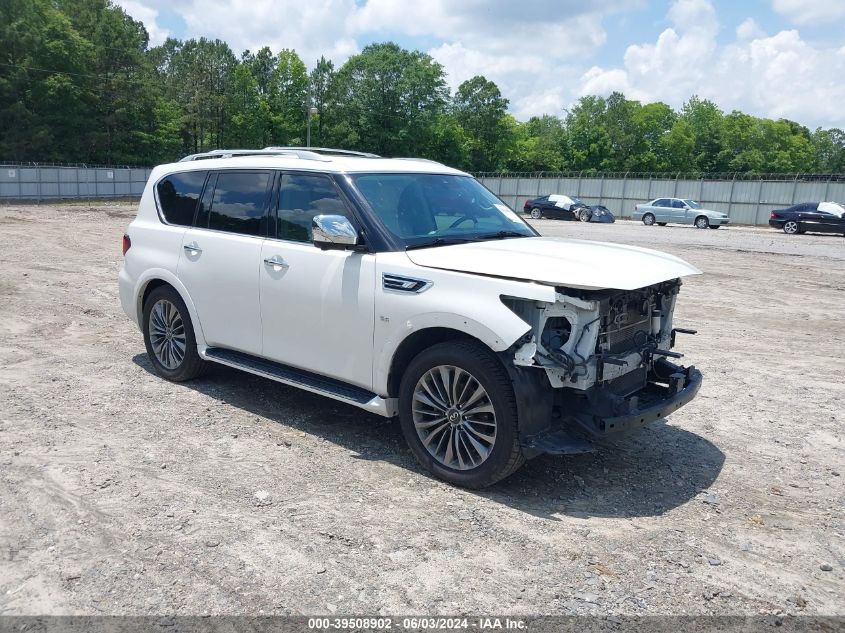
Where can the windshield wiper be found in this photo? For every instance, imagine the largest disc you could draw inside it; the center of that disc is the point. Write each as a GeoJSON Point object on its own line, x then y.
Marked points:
{"type": "Point", "coordinates": [502, 235]}
{"type": "Point", "coordinates": [440, 241]}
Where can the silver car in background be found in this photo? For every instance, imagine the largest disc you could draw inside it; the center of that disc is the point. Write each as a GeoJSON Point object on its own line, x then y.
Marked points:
{"type": "Point", "coordinates": [679, 211]}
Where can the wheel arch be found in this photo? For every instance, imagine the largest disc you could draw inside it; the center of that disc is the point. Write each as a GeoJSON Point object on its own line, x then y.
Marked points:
{"type": "Point", "coordinates": [415, 343]}
{"type": "Point", "coordinates": [158, 278]}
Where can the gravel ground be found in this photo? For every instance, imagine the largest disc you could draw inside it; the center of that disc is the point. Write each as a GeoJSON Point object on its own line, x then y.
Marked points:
{"type": "Point", "coordinates": [121, 493]}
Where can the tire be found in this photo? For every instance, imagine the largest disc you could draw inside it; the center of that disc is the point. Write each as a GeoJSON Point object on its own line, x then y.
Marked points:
{"type": "Point", "coordinates": [791, 227]}
{"type": "Point", "coordinates": [536, 214]}
{"type": "Point", "coordinates": [164, 311]}
{"type": "Point", "coordinates": [422, 384]}
{"type": "Point", "coordinates": [584, 215]}
{"type": "Point", "coordinates": [648, 219]}
{"type": "Point", "coordinates": [662, 223]}
{"type": "Point", "coordinates": [701, 222]}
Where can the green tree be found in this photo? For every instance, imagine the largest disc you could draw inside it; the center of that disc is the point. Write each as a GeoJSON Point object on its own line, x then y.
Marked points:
{"type": "Point", "coordinates": [288, 96]}
{"type": "Point", "coordinates": [319, 86]}
{"type": "Point", "coordinates": [480, 109]}
{"type": "Point", "coordinates": [388, 100]}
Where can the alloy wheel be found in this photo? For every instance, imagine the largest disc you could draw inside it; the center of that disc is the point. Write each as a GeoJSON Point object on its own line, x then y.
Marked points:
{"type": "Point", "coordinates": [535, 214]}
{"type": "Point", "coordinates": [648, 219]}
{"type": "Point", "coordinates": [702, 223]}
{"type": "Point", "coordinates": [454, 417]}
{"type": "Point", "coordinates": [790, 227]}
{"type": "Point", "coordinates": [167, 334]}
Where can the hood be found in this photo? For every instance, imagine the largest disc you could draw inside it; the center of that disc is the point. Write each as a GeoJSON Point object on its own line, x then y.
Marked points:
{"type": "Point", "coordinates": [558, 262]}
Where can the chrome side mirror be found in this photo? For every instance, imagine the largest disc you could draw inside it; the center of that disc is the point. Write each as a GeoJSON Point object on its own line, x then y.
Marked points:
{"type": "Point", "coordinates": [333, 231]}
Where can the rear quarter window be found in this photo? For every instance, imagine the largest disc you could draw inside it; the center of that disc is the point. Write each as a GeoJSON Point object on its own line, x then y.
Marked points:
{"type": "Point", "coordinates": [178, 195]}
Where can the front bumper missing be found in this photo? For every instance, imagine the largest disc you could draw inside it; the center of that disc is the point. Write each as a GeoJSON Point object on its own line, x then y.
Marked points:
{"type": "Point", "coordinates": [654, 402]}
{"type": "Point", "coordinates": [579, 426]}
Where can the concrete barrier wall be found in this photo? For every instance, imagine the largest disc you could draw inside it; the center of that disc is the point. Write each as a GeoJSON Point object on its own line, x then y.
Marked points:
{"type": "Point", "coordinates": [37, 182]}
{"type": "Point", "coordinates": [746, 201]}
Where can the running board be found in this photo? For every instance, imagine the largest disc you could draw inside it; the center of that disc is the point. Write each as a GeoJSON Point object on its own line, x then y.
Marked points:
{"type": "Point", "coordinates": [315, 383]}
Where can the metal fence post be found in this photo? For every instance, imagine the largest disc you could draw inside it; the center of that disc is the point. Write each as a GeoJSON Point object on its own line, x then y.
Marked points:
{"type": "Point", "coordinates": [675, 192]}
{"type": "Point", "coordinates": [794, 189]}
{"type": "Point", "coordinates": [601, 190]}
{"type": "Point", "coordinates": [827, 187]}
{"type": "Point", "coordinates": [578, 191]}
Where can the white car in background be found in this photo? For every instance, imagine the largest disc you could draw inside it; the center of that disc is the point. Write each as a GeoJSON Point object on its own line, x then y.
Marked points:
{"type": "Point", "coordinates": [662, 211]}
{"type": "Point", "coordinates": [404, 287]}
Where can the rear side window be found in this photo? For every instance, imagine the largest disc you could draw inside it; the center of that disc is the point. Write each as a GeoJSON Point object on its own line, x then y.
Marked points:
{"type": "Point", "coordinates": [178, 195]}
{"type": "Point", "coordinates": [301, 197]}
{"type": "Point", "coordinates": [239, 202]}
{"type": "Point", "coordinates": [662, 202]}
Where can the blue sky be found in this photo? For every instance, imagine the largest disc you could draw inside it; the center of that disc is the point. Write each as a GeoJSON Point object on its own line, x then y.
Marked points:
{"type": "Point", "coordinates": [776, 58]}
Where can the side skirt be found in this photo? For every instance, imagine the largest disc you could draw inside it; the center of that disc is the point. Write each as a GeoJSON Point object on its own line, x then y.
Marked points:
{"type": "Point", "coordinates": [315, 383]}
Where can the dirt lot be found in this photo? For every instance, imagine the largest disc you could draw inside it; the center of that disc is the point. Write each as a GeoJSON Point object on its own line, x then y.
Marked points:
{"type": "Point", "coordinates": [121, 493]}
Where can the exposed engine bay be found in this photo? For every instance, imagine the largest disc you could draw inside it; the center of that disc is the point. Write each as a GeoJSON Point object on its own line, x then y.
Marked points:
{"type": "Point", "coordinates": [604, 352]}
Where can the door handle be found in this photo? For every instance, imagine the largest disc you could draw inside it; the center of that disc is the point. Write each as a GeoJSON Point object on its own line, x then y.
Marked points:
{"type": "Point", "coordinates": [276, 262]}
{"type": "Point", "coordinates": [192, 248]}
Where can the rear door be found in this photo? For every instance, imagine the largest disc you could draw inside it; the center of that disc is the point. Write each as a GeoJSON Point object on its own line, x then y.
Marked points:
{"type": "Point", "coordinates": [661, 210]}
{"type": "Point", "coordinates": [221, 258]}
{"type": "Point", "coordinates": [317, 306]}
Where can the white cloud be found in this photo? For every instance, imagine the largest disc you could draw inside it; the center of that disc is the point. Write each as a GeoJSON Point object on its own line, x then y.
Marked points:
{"type": "Point", "coordinates": [810, 11]}
{"type": "Point", "coordinates": [775, 76]}
{"type": "Point", "coordinates": [749, 30]}
{"type": "Point", "coordinates": [148, 15]}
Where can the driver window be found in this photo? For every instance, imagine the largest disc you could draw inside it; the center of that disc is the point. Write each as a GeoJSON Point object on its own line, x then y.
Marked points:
{"type": "Point", "coordinates": [301, 197]}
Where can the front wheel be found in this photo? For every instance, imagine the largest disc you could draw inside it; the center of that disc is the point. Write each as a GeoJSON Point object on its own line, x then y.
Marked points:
{"type": "Point", "coordinates": [169, 336]}
{"type": "Point", "coordinates": [701, 222]}
{"type": "Point", "coordinates": [536, 214]}
{"type": "Point", "coordinates": [648, 219]}
{"type": "Point", "coordinates": [790, 227]}
{"type": "Point", "coordinates": [458, 413]}
{"type": "Point", "coordinates": [584, 215]}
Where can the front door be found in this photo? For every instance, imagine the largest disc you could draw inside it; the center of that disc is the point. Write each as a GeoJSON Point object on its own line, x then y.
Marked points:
{"type": "Point", "coordinates": [317, 306]}
{"type": "Point", "coordinates": [221, 257]}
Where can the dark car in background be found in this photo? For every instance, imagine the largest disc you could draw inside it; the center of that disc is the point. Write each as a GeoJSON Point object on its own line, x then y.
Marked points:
{"type": "Point", "coordinates": [561, 207]}
{"type": "Point", "coordinates": [818, 217]}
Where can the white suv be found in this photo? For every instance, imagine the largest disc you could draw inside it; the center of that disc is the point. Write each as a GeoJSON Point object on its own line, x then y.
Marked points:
{"type": "Point", "coordinates": [406, 288]}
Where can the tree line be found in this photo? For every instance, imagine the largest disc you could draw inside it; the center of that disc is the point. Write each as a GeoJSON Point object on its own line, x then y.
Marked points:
{"type": "Point", "coordinates": [80, 83]}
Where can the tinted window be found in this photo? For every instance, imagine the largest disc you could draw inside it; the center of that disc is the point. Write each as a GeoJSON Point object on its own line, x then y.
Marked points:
{"type": "Point", "coordinates": [238, 202]}
{"type": "Point", "coordinates": [301, 197]}
{"type": "Point", "coordinates": [677, 204]}
{"type": "Point", "coordinates": [662, 202]}
{"type": "Point", "coordinates": [178, 195]}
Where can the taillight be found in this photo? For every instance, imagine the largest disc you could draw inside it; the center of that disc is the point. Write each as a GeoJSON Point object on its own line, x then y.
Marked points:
{"type": "Point", "coordinates": [526, 203]}
{"type": "Point", "coordinates": [773, 215]}
{"type": "Point", "coordinates": [127, 243]}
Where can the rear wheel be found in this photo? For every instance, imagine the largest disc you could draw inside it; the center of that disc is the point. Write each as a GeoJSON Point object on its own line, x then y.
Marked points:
{"type": "Point", "coordinates": [701, 222]}
{"type": "Point", "coordinates": [458, 413]}
{"type": "Point", "coordinates": [648, 219]}
{"type": "Point", "coordinates": [791, 227]}
{"type": "Point", "coordinates": [169, 336]}
{"type": "Point", "coordinates": [536, 214]}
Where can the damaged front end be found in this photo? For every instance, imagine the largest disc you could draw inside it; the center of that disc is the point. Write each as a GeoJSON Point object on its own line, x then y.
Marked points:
{"type": "Point", "coordinates": [596, 362]}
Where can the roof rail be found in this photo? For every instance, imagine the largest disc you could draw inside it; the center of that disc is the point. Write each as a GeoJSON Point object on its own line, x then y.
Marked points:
{"type": "Point", "coordinates": [327, 150]}
{"type": "Point", "coordinates": [270, 151]}
{"type": "Point", "coordinates": [423, 160]}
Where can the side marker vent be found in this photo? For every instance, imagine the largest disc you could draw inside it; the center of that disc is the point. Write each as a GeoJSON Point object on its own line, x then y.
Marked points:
{"type": "Point", "coordinates": [399, 283]}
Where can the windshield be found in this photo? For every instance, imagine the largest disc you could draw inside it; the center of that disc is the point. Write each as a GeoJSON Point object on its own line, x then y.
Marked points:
{"type": "Point", "coordinates": [423, 209]}
{"type": "Point", "coordinates": [692, 204]}
{"type": "Point", "coordinates": [578, 201]}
